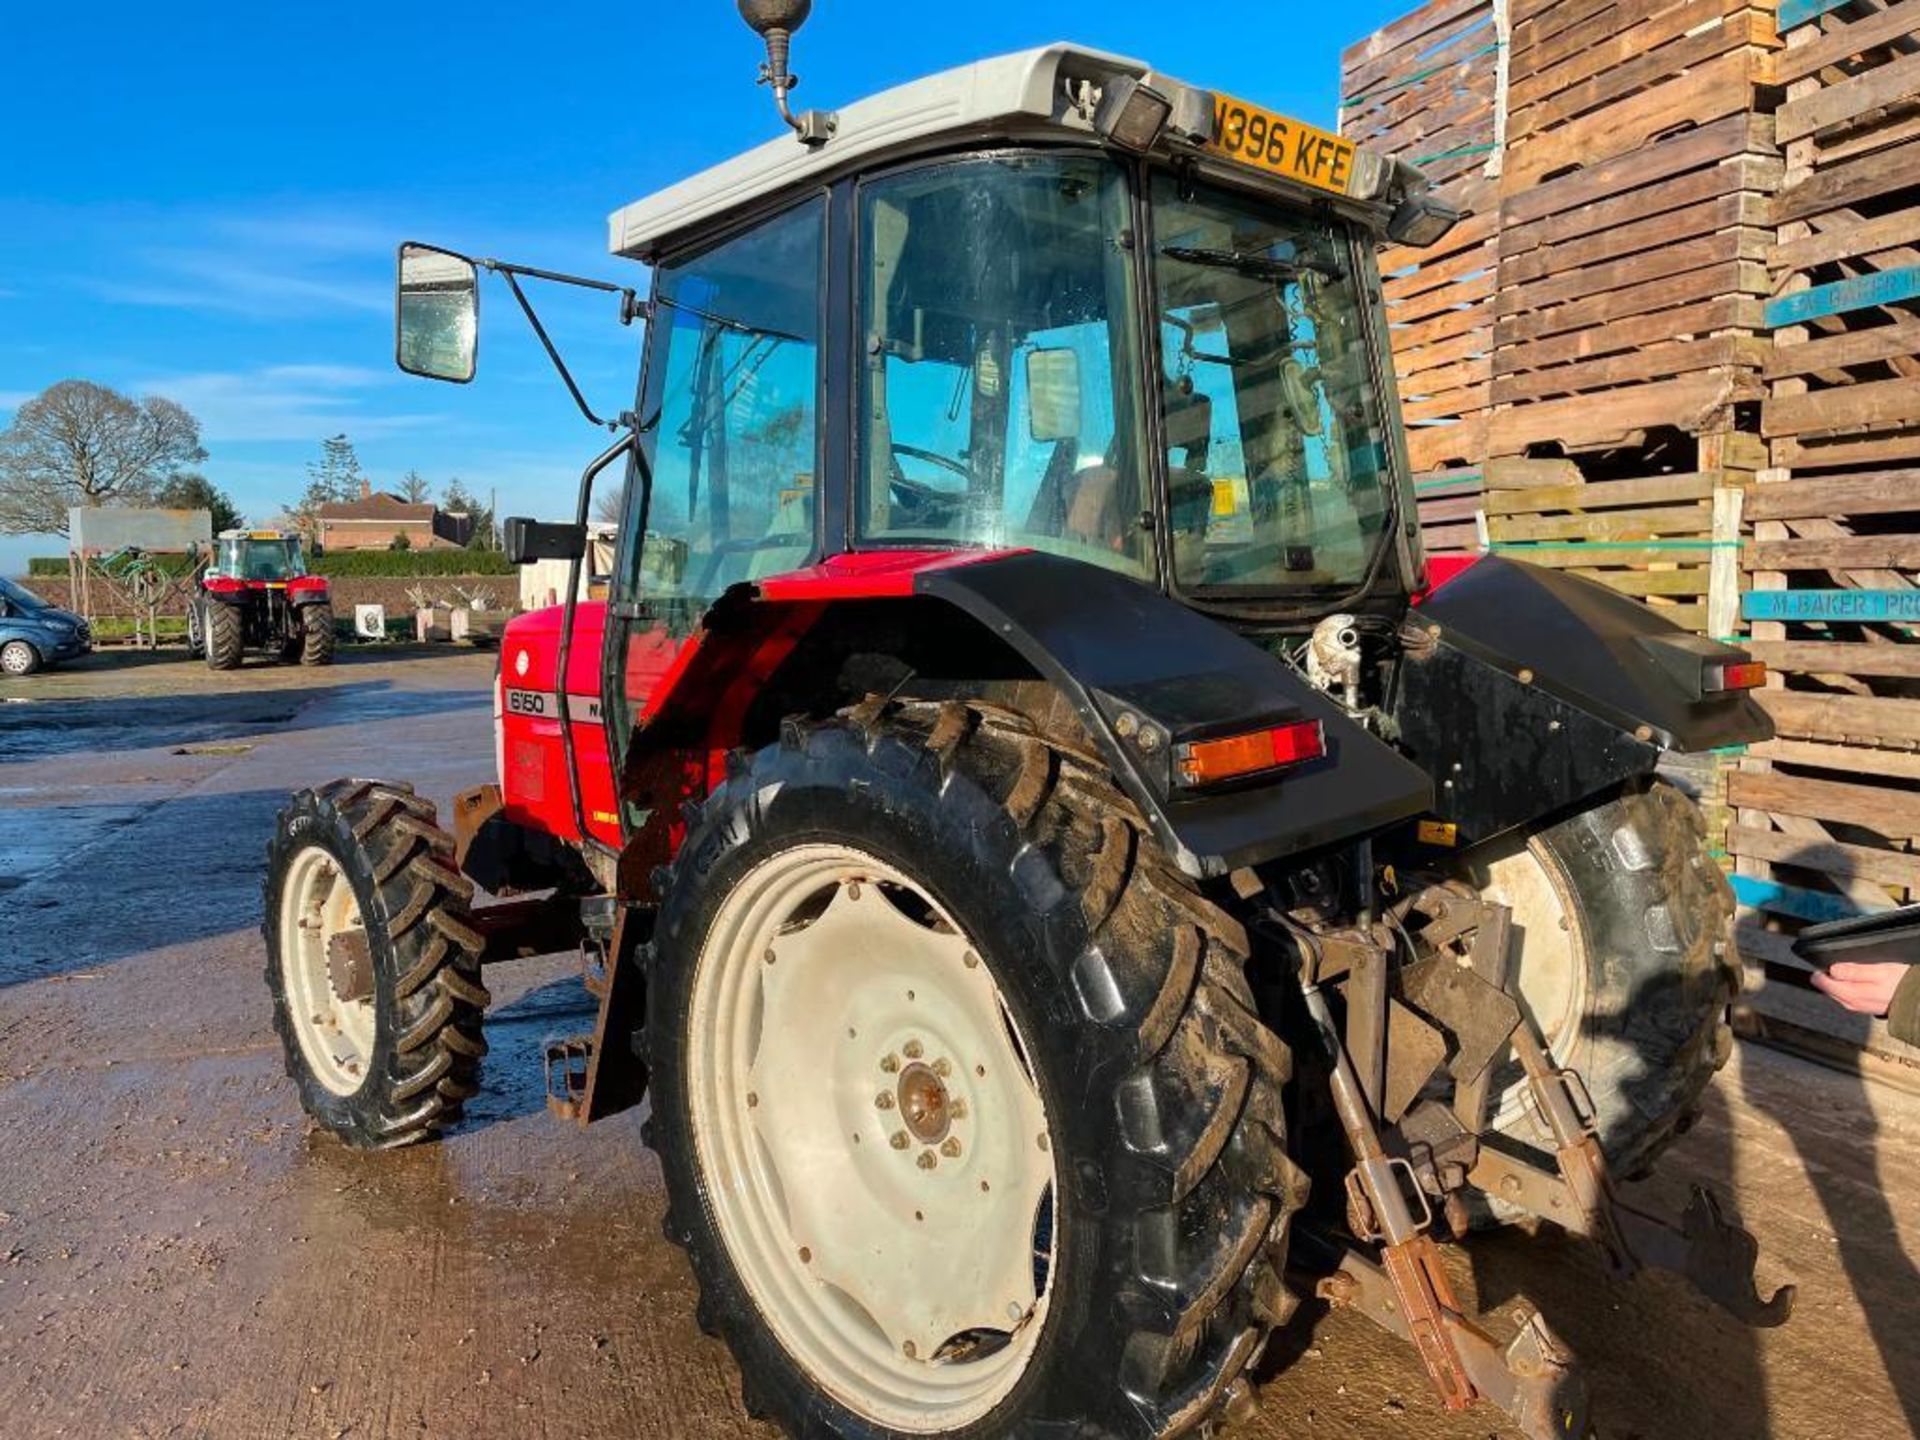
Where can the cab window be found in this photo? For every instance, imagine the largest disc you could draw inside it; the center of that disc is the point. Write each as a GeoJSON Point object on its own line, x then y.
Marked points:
{"type": "Point", "coordinates": [731, 417]}
{"type": "Point", "coordinates": [997, 403]}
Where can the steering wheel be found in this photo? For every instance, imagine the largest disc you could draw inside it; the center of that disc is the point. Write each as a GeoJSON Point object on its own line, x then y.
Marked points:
{"type": "Point", "coordinates": [923, 501]}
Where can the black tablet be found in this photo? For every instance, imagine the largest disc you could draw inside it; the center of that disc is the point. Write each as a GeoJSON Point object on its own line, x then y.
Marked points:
{"type": "Point", "coordinates": [1888, 937]}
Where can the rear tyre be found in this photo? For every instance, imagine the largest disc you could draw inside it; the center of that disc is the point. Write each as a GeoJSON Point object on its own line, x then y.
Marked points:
{"type": "Point", "coordinates": [196, 631]}
{"type": "Point", "coordinates": [225, 638]}
{"type": "Point", "coordinates": [1086, 1237]}
{"type": "Point", "coordinates": [17, 657]}
{"type": "Point", "coordinates": [1623, 954]}
{"type": "Point", "coordinates": [372, 963]}
{"type": "Point", "coordinates": [316, 634]}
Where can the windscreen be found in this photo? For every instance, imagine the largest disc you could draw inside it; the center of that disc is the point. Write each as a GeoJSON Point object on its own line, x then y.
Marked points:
{"type": "Point", "coordinates": [21, 597]}
{"type": "Point", "coordinates": [1277, 448]}
{"type": "Point", "coordinates": [242, 558]}
{"type": "Point", "coordinates": [998, 399]}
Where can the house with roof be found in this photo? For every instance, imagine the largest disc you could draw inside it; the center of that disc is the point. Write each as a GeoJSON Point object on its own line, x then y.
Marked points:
{"type": "Point", "coordinates": [378, 518]}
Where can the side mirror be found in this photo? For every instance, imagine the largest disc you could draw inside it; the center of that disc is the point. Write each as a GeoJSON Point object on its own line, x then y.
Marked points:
{"type": "Point", "coordinates": [1053, 394]}
{"type": "Point", "coordinates": [531, 540]}
{"type": "Point", "coordinates": [437, 314]}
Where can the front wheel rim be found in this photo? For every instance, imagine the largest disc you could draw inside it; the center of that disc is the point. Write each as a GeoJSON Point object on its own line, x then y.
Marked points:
{"type": "Point", "coordinates": [14, 659]}
{"type": "Point", "coordinates": [872, 1141]}
{"type": "Point", "coordinates": [326, 971]}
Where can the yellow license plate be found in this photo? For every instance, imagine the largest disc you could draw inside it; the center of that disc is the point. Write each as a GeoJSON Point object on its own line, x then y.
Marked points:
{"type": "Point", "coordinates": [1281, 146]}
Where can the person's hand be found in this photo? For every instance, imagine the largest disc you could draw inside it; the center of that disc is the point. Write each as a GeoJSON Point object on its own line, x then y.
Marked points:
{"type": "Point", "coordinates": [1867, 989]}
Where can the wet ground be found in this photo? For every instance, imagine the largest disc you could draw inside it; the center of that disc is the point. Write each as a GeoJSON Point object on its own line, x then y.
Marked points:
{"type": "Point", "coordinates": [179, 1257]}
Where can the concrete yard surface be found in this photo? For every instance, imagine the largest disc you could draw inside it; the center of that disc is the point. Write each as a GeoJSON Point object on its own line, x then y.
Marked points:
{"type": "Point", "coordinates": [180, 1256]}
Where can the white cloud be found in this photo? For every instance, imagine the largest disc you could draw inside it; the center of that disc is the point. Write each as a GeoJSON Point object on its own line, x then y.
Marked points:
{"type": "Point", "coordinates": [283, 402]}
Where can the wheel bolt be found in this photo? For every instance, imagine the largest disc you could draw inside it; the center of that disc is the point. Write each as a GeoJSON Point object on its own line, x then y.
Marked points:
{"type": "Point", "coordinates": [912, 1050]}
{"type": "Point", "coordinates": [971, 960]}
{"type": "Point", "coordinates": [927, 1160]}
{"type": "Point", "coordinates": [769, 957]}
{"type": "Point", "coordinates": [853, 890]}
{"type": "Point", "coordinates": [891, 1064]}
{"type": "Point", "coordinates": [884, 1100]}
{"type": "Point", "coordinates": [899, 1140]}
{"type": "Point", "coordinates": [910, 1350]}
{"type": "Point", "coordinates": [957, 1108]}
{"type": "Point", "coordinates": [943, 1067]}
{"type": "Point", "coordinates": [1045, 1143]}
{"type": "Point", "coordinates": [753, 1101]}
{"type": "Point", "coordinates": [951, 1147]}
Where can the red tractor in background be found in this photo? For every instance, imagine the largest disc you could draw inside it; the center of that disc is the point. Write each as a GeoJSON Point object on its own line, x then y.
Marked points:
{"type": "Point", "coordinates": [256, 595]}
{"type": "Point", "coordinates": [1064, 879]}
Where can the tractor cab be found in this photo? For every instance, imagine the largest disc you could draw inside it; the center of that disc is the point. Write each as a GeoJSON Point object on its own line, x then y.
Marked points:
{"type": "Point", "coordinates": [266, 557]}
{"type": "Point", "coordinates": [1060, 303]}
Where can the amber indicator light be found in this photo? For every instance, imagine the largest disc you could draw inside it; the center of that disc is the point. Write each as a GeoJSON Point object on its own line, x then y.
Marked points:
{"type": "Point", "coordinates": [1208, 762]}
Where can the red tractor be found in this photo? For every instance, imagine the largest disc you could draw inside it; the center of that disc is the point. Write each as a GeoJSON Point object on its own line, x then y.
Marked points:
{"type": "Point", "coordinates": [256, 595]}
{"type": "Point", "coordinates": [1065, 876]}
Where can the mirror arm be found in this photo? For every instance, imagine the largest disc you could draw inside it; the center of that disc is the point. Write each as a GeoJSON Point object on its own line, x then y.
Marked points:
{"type": "Point", "coordinates": [631, 309]}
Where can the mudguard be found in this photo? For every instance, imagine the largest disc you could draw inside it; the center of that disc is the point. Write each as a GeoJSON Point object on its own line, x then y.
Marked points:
{"type": "Point", "coordinates": [1527, 689]}
{"type": "Point", "coordinates": [1116, 647]}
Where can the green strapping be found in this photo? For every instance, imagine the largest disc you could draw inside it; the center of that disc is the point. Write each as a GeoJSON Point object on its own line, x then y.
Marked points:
{"type": "Point", "coordinates": [1419, 75]}
{"type": "Point", "coordinates": [1455, 153]}
{"type": "Point", "coordinates": [1460, 479]}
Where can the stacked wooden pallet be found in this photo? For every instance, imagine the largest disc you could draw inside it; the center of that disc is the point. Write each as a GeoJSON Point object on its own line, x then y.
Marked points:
{"type": "Point", "coordinates": [1427, 88]}
{"type": "Point", "coordinates": [1829, 813]}
{"type": "Point", "coordinates": [1670, 540]}
{"type": "Point", "coordinates": [1631, 240]}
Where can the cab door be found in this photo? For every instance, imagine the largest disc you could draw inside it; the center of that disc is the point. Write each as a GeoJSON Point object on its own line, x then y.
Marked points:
{"type": "Point", "coordinates": [730, 433]}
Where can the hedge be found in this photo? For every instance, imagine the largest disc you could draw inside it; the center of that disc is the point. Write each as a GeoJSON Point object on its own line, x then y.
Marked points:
{"type": "Point", "coordinates": [381, 564]}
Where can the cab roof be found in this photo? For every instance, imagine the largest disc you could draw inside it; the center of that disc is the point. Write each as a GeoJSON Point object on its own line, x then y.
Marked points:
{"type": "Point", "coordinates": [1034, 94]}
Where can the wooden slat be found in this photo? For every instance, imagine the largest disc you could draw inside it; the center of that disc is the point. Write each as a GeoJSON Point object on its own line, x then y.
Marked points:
{"type": "Point", "coordinates": [1851, 182]}
{"type": "Point", "coordinates": [1646, 524]}
{"type": "Point", "coordinates": [1856, 719]}
{"type": "Point", "coordinates": [1820, 657]}
{"type": "Point", "coordinates": [1894, 813]}
{"type": "Point", "coordinates": [1604, 494]}
{"type": "Point", "coordinates": [1851, 347]}
{"type": "Point", "coordinates": [1856, 552]}
{"type": "Point", "coordinates": [1878, 493]}
{"type": "Point", "coordinates": [1895, 84]}
{"type": "Point", "coordinates": [1655, 362]}
{"type": "Point", "coordinates": [1830, 857]}
{"type": "Point", "coordinates": [1846, 759]}
{"type": "Point", "coordinates": [1797, 62]}
{"type": "Point", "coordinates": [1689, 403]}
{"type": "Point", "coordinates": [1877, 405]}
{"type": "Point", "coordinates": [1846, 242]}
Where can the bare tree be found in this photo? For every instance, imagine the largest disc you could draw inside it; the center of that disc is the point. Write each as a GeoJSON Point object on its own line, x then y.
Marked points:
{"type": "Point", "coordinates": [78, 443]}
{"type": "Point", "coordinates": [414, 488]}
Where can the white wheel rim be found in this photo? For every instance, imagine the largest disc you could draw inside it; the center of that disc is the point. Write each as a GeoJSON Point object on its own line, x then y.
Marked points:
{"type": "Point", "coordinates": [13, 658]}
{"type": "Point", "coordinates": [336, 1035]}
{"type": "Point", "coordinates": [836, 1009]}
{"type": "Point", "coordinates": [1546, 958]}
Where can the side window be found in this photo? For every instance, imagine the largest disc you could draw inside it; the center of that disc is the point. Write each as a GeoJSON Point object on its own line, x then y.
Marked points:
{"type": "Point", "coordinates": [731, 416]}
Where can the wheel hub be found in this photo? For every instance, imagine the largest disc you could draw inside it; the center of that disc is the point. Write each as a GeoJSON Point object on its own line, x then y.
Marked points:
{"type": "Point", "coordinates": [925, 1104]}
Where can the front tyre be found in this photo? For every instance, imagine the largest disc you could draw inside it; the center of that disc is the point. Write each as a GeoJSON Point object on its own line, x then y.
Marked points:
{"type": "Point", "coordinates": [316, 634]}
{"type": "Point", "coordinates": [372, 964]}
{"type": "Point", "coordinates": [967, 1123]}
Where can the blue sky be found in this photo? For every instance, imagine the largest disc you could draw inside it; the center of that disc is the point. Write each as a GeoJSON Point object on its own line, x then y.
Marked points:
{"type": "Point", "coordinates": [201, 201]}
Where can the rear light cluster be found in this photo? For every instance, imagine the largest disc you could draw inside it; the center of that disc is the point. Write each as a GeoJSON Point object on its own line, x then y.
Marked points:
{"type": "Point", "coordinates": [1209, 762]}
{"type": "Point", "coordinates": [1716, 679]}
